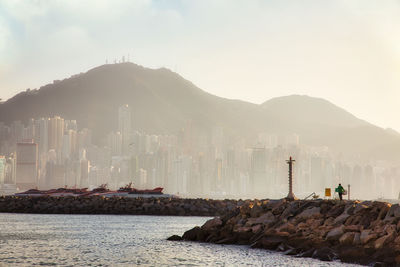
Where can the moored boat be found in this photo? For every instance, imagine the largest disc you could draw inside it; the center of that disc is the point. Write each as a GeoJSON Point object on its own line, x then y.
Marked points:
{"type": "Point", "coordinates": [102, 190]}
{"type": "Point", "coordinates": [155, 191]}
{"type": "Point", "coordinates": [32, 193]}
{"type": "Point", "coordinates": [63, 192]}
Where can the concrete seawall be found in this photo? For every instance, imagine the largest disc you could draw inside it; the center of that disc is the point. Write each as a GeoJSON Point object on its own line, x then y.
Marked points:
{"type": "Point", "coordinates": [116, 205]}
{"type": "Point", "coordinates": [351, 231]}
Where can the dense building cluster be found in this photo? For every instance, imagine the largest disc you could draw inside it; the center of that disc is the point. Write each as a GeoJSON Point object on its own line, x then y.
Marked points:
{"type": "Point", "coordinates": [54, 152]}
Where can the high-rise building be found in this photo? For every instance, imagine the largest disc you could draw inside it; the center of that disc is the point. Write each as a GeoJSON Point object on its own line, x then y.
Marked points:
{"type": "Point", "coordinates": [259, 172]}
{"type": "Point", "coordinates": [125, 127]}
{"type": "Point", "coordinates": [30, 130]}
{"type": "Point", "coordinates": [218, 183]}
{"type": "Point", "coordinates": [84, 173]}
{"type": "Point", "coordinates": [55, 175]}
{"type": "Point", "coordinates": [70, 125]}
{"type": "Point", "coordinates": [41, 135]}
{"type": "Point", "coordinates": [27, 165]}
{"type": "Point", "coordinates": [317, 176]}
{"type": "Point", "coordinates": [231, 178]}
{"type": "Point", "coordinates": [142, 178]}
{"type": "Point", "coordinates": [69, 144]}
{"type": "Point", "coordinates": [7, 187]}
{"type": "Point", "coordinates": [55, 133]}
{"type": "Point", "coordinates": [66, 148]}
{"type": "Point", "coordinates": [114, 141]}
{"type": "Point", "coordinates": [11, 170]}
{"type": "Point", "coordinates": [73, 137]}
{"type": "Point", "coordinates": [84, 139]}
{"type": "Point", "coordinates": [17, 131]}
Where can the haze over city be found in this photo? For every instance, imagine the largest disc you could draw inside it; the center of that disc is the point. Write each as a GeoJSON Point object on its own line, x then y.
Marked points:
{"type": "Point", "coordinates": [248, 132]}
{"type": "Point", "coordinates": [100, 92]}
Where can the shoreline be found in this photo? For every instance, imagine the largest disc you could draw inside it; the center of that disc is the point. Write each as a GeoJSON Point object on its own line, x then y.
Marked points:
{"type": "Point", "coordinates": [365, 233]}
{"type": "Point", "coordinates": [116, 205]}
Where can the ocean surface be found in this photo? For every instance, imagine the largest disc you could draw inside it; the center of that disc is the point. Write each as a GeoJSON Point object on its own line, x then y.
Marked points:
{"type": "Point", "coordinates": [111, 240]}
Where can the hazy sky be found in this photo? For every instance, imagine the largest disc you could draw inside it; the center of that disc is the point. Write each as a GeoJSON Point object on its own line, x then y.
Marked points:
{"type": "Point", "coordinates": [347, 52]}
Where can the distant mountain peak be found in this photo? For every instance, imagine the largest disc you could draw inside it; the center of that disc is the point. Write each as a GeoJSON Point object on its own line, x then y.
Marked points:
{"type": "Point", "coordinates": [307, 109]}
{"type": "Point", "coordinates": [162, 102]}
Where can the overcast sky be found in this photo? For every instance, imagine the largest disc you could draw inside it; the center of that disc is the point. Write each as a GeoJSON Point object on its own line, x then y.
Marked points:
{"type": "Point", "coordinates": [347, 52]}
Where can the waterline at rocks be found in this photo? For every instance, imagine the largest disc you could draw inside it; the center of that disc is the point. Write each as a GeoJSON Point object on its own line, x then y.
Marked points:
{"type": "Point", "coordinates": [351, 231]}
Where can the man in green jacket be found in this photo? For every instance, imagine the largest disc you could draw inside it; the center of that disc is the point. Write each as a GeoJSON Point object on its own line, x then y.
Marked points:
{"type": "Point", "coordinates": [340, 191]}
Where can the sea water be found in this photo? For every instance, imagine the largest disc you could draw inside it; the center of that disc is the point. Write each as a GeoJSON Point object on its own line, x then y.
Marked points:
{"type": "Point", "coordinates": [112, 240]}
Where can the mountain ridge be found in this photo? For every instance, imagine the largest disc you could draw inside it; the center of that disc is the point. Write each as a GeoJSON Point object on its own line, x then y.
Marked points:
{"type": "Point", "coordinates": [162, 101]}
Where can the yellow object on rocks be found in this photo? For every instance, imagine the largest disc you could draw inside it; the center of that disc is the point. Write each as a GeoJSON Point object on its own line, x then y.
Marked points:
{"type": "Point", "coordinates": [327, 192]}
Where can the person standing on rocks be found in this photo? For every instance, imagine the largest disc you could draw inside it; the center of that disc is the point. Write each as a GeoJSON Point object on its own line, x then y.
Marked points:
{"type": "Point", "coordinates": [340, 191]}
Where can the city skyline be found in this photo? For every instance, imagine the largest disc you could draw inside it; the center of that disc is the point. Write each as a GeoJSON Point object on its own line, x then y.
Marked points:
{"type": "Point", "coordinates": [344, 52]}
{"type": "Point", "coordinates": [199, 132]}
{"type": "Point", "coordinates": [54, 152]}
{"type": "Point", "coordinates": [121, 123]}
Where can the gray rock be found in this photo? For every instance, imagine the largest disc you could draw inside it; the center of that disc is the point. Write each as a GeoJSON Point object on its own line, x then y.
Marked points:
{"type": "Point", "coordinates": [393, 211]}
{"type": "Point", "coordinates": [396, 211]}
{"type": "Point", "coordinates": [310, 213]}
{"type": "Point", "coordinates": [324, 254]}
{"type": "Point", "coordinates": [360, 207]}
{"type": "Point", "coordinates": [347, 238]}
{"type": "Point", "coordinates": [382, 241]}
{"type": "Point", "coordinates": [212, 224]}
{"type": "Point", "coordinates": [335, 233]}
{"type": "Point", "coordinates": [174, 238]}
{"type": "Point", "coordinates": [366, 236]}
{"type": "Point", "coordinates": [341, 218]}
{"type": "Point", "coordinates": [266, 218]}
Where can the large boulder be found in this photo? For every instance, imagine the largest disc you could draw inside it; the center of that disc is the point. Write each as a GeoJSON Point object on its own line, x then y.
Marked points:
{"type": "Point", "coordinates": [336, 210]}
{"type": "Point", "coordinates": [357, 240]}
{"type": "Point", "coordinates": [174, 238]}
{"type": "Point", "coordinates": [312, 212]}
{"type": "Point", "coordinates": [245, 210]}
{"type": "Point", "coordinates": [347, 238]}
{"type": "Point", "coordinates": [353, 254]}
{"type": "Point", "coordinates": [266, 219]}
{"type": "Point", "coordinates": [384, 208]}
{"type": "Point", "coordinates": [390, 229]}
{"type": "Point", "coordinates": [335, 233]}
{"type": "Point", "coordinates": [366, 236]}
{"type": "Point", "coordinates": [360, 207]}
{"type": "Point", "coordinates": [287, 227]}
{"type": "Point", "coordinates": [394, 211]}
{"type": "Point", "coordinates": [195, 234]}
{"type": "Point", "coordinates": [212, 224]}
{"type": "Point", "coordinates": [380, 242]}
{"type": "Point", "coordinates": [269, 242]}
{"type": "Point", "coordinates": [352, 228]}
{"type": "Point", "coordinates": [341, 218]}
{"type": "Point", "coordinates": [324, 254]}
{"type": "Point", "coordinates": [256, 210]}
{"type": "Point", "coordinates": [256, 228]}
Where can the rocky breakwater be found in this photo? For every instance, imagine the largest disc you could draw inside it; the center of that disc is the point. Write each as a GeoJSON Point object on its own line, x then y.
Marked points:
{"type": "Point", "coordinates": [116, 205]}
{"type": "Point", "coordinates": [351, 231]}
